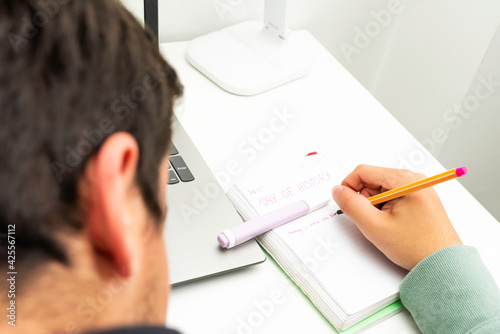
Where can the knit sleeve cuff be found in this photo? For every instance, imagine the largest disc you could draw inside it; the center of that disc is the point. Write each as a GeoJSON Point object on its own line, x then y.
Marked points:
{"type": "Point", "coordinates": [451, 291]}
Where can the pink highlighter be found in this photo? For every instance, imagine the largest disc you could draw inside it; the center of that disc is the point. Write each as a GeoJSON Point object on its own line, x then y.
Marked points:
{"type": "Point", "coordinates": [252, 228]}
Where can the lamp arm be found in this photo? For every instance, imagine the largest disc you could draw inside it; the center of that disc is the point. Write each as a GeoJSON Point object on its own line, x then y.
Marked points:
{"type": "Point", "coordinates": [276, 17]}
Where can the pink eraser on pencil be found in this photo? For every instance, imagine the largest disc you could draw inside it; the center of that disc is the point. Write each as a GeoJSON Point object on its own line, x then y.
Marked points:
{"type": "Point", "coordinates": [461, 171]}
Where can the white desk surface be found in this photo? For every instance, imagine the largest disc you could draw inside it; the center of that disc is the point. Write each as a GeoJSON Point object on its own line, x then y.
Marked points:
{"type": "Point", "coordinates": [326, 111]}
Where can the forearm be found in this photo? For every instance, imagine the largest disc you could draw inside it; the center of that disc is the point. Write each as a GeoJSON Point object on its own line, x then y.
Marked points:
{"type": "Point", "coordinates": [451, 291]}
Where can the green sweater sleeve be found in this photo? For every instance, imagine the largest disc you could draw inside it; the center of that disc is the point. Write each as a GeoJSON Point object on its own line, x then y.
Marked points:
{"type": "Point", "coordinates": [451, 291]}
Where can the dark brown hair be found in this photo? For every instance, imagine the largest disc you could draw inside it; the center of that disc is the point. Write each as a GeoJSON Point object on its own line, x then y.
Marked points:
{"type": "Point", "coordinates": [71, 74]}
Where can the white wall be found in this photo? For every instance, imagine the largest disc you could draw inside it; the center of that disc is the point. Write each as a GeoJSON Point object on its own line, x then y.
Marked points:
{"type": "Point", "coordinates": [136, 7]}
{"type": "Point", "coordinates": [473, 135]}
{"type": "Point", "coordinates": [419, 58]}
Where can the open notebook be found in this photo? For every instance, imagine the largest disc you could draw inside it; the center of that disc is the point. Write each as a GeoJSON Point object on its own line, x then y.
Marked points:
{"type": "Point", "coordinates": [349, 280]}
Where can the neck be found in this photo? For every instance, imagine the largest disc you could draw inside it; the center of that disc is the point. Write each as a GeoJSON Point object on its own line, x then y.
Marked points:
{"type": "Point", "coordinates": [60, 299]}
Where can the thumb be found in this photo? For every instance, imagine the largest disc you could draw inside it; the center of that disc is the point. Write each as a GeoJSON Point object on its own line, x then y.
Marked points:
{"type": "Point", "coordinates": [354, 205]}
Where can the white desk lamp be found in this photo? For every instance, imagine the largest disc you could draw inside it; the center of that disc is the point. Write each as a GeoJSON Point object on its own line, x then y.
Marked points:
{"type": "Point", "coordinates": [251, 57]}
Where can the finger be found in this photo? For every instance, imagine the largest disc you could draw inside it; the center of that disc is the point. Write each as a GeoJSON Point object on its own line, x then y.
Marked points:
{"type": "Point", "coordinates": [368, 192]}
{"type": "Point", "coordinates": [378, 179]}
{"type": "Point", "coordinates": [354, 205]}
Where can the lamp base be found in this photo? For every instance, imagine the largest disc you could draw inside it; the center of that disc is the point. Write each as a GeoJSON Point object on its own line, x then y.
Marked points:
{"type": "Point", "coordinates": [246, 59]}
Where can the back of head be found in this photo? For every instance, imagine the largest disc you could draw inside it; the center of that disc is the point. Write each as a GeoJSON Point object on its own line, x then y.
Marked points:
{"type": "Point", "coordinates": [73, 73]}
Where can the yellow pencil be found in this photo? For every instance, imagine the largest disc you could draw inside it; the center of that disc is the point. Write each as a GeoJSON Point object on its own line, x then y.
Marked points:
{"type": "Point", "coordinates": [415, 186]}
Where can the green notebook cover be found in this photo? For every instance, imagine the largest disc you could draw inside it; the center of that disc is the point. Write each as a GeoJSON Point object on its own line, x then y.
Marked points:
{"type": "Point", "coordinates": [393, 308]}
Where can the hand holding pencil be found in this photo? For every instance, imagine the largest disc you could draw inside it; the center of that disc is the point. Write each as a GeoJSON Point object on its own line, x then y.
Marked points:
{"type": "Point", "coordinates": [406, 229]}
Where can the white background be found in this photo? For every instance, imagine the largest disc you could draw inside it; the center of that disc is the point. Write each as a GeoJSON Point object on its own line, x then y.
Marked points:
{"type": "Point", "coordinates": [419, 62]}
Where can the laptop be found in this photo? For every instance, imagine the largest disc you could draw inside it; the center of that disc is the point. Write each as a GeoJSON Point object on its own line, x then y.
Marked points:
{"type": "Point", "coordinates": [198, 209]}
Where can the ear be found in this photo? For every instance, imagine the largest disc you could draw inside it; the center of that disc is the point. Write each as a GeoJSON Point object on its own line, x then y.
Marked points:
{"type": "Point", "coordinates": [112, 178]}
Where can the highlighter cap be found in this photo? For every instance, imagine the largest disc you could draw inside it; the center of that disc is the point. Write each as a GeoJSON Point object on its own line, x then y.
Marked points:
{"type": "Point", "coordinates": [226, 239]}
{"type": "Point", "coordinates": [223, 240]}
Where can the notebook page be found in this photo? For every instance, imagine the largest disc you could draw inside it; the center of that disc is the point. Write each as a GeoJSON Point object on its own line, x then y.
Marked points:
{"type": "Point", "coordinates": [355, 273]}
